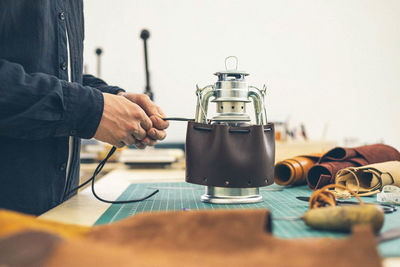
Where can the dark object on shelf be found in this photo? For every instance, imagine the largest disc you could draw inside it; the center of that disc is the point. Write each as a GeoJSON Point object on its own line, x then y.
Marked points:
{"type": "Point", "coordinates": [144, 35]}
{"type": "Point", "coordinates": [98, 52]}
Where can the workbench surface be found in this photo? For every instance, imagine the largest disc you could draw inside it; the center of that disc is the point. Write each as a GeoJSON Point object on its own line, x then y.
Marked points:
{"type": "Point", "coordinates": [85, 209]}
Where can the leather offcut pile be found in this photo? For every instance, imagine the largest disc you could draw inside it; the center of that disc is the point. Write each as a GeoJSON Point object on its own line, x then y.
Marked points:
{"type": "Point", "coordinates": [192, 238]}
{"type": "Point", "coordinates": [330, 163]}
{"type": "Point", "coordinates": [320, 171]}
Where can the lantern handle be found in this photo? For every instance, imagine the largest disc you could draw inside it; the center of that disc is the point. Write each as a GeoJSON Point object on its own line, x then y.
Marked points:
{"type": "Point", "coordinates": [236, 61]}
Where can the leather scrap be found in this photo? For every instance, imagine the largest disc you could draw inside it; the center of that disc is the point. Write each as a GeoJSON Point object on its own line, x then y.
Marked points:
{"type": "Point", "coordinates": [294, 171]}
{"type": "Point", "coordinates": [27, 248]}
{"type": "Point", "coordinates": [324, 171]}
{"type": "Point", "coordinates": [209, 238]}
{"type": "Point", "coordinates": [12, 222]}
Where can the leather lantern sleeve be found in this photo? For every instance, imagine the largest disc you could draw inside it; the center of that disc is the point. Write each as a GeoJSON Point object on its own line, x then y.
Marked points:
{"type": "Point", "coordinates": [227, 156]}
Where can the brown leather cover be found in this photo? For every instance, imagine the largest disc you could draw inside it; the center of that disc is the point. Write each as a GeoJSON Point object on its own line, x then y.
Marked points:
{"type": "Point", "coordinates": [209, 238]}
{"type": "Point", "coordinates": [226, 156]}
{"type": "Point", "coordinates": [294, 171]}
{"type": "Point", "coordinates": [12, 222]}
{"type": "Point", "coordinates": [338, 158]}
{"type": "Point", "coordinates": [27, 248]}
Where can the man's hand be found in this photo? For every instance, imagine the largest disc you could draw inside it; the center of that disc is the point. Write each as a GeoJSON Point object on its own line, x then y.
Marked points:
{"type": "Point", "coordinates": [157, 132]}
{"type": "Point", "coordinates": [123, 122]}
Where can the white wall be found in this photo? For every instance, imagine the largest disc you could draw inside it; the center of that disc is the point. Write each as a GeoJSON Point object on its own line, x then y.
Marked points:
{"type": "Point", "coordinates": [326, 63]}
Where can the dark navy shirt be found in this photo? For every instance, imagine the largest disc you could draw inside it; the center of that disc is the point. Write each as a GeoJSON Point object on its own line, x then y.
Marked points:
{"type": "Point", "coordinates": [39, 108]}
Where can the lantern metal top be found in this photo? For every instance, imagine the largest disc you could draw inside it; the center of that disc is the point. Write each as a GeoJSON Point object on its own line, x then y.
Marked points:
{"type": "Point", "coordinates": [231, 73]}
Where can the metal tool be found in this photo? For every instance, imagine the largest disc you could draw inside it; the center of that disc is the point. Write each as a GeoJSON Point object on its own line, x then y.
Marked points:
{"type": "Point", "coordinates": [388, 235]}
{"type": "Point", "coordinates": [231, 93]}
{"type": "Point", "coordinates": [144, 35]}
{"type": "Point", "coordinates": [387, 208]}
{"type": "Point", "coordinates": [98, 52]}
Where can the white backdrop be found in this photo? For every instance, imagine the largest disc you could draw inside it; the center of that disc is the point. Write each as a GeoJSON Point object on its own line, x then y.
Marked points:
{"type": "Point", "coordinates": [328, 64]}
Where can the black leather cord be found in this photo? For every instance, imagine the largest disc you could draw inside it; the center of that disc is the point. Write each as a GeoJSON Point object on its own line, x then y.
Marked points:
{"type": "Point", "coordinates": [93, 178]}
{"type": "Point", "coordinates": [177, 119]}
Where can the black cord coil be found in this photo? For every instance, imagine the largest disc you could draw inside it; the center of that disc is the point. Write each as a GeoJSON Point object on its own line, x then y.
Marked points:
{"type": "Point", "coordinates": [93, 178]}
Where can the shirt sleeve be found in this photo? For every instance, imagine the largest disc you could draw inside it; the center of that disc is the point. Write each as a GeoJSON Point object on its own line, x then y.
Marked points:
{"type": "Point", "coordinates": [90, 80]}
{"type": "Point", "coordinates": [38, 105]}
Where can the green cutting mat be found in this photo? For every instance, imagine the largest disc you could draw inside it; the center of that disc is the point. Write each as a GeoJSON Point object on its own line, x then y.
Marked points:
{"type": "Point", "coordinates": [180, 196]}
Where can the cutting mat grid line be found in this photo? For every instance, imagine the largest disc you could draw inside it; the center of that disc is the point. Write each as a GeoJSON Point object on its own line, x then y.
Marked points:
{"type": "Point", "coordinates": [179, 196]}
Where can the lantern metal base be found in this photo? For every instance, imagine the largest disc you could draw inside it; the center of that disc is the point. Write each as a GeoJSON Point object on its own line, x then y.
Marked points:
{"type": "Point", "coordinates": [224, 195]}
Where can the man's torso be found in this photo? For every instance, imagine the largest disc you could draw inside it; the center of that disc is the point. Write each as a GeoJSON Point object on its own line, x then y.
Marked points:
{"type": "Point", "coordinates": [33, 34]}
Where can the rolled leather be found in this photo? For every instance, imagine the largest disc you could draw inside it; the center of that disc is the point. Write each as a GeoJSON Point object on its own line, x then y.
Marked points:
{"type": "Point", "coordinates": [294, 171]}
{"type": "Point", "coordinates": [338, 158]}
{"type": "Point", "coordinates": [370, 179]}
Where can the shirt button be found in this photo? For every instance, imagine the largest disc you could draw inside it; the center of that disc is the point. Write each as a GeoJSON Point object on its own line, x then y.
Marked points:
{"type": "Point", "coordinates": [73, 132]}
{"type": "Point", "coordinates": [63, 167]}
{"type": "Point", "coordinates": [61, 16]}
{"type": "Point", "coordinates": [64, 66]}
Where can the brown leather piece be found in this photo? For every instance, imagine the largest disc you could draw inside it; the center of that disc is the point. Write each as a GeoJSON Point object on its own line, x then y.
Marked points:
{"type": "Point", "coordinates": [27, 248]}
{"type": "Point", "coordinates": [12, 222]}
{"type": "Point", "coordinates": [210, 238]}
{"type": "Point", "coordinates": [195, 238]}
{"type": "Point", "coordinates": [324, 171]}
{"type": "Point", "coordinates": [225, 156]}
{"type": "Point", "coordinates": [294, 171]}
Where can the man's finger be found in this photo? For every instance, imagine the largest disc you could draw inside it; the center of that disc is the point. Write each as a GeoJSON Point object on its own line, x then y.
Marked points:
{"type": "Point", "coordinates": [129, 140]}
{"type": "Point", "coordinates": [161, 112]}
{"type": "Point", "coordinates": [159, 123]}
{"type": "Point", "coordinates": [139, 133]}
{"type": "Point", "coordinates": [119, 144]}
{"type": "Point", "coordinates": [157, 134]}
{"type": "Point", "coordinates": [152, 142]}
{"type": "Point", "coordinates": [141, 116]}
{"type": "Point", "coordinates": [148, 141]}
{"type": "Point", "coordinates": [139, 145]}
{"type": "Point", "coordinates": [148, 106]}
{"type": "Point", "coordinates": [145, 122]}
{"type": "Point", "coordinates": [145, 103]}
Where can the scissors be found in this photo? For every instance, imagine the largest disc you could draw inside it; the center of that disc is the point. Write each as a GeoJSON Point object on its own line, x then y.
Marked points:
{"type": "Point", "coordinates": [387, 208]}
